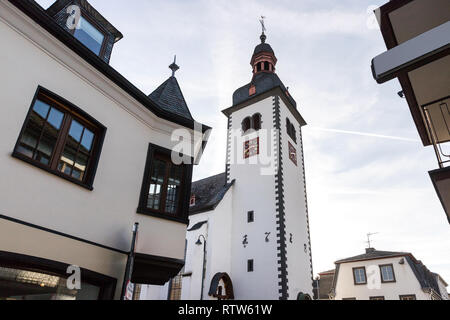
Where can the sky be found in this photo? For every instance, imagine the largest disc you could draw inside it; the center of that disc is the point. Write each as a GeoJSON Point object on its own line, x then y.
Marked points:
{"type": "Point", "coordinates": [366, 169]}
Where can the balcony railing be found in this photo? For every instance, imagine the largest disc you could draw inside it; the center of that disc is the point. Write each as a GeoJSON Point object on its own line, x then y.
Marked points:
{"type": "Point", "coordinates": [437, 119]}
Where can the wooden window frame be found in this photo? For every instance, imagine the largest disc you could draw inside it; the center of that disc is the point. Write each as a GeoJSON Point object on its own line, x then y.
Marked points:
{"type": "Point", "coordinates": [407, 296]}
{"type": "Point", "coordinates": [393, 273]}
{"type": "Point", "coordinates": [158, 152]}
{"type": "Point", "coordinates": [354, 278]}
{"type": "Point", "coordinates": [71, 112]}
{"type": "Point", "coordinates": [99, 28]}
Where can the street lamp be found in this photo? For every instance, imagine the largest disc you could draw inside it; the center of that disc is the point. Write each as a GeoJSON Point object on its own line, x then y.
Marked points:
{"type": "Point", "coordinates": [199, 243]}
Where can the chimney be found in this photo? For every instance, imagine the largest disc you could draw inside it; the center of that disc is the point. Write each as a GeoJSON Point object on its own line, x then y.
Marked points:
{"type": "Point", "coordinates": [370, 250]}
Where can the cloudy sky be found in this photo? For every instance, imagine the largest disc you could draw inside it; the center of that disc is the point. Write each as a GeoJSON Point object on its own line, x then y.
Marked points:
{"type": "Point", "coordinates": [366, 169]}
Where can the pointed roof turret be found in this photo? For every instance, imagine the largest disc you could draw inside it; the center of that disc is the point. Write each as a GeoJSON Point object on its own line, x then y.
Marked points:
{"type": "Point", "coordinates": [169, 97]}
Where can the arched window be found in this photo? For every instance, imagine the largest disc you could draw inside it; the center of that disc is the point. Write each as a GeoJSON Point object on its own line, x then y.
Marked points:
{"type": "Point", "coordinates": [290, 128]}
{"type": "Point", "coordinates": [246, 124]}
{"type": "Point", "coordinates": [266, 66]}
{"type": "Point", "coordinates": [257, 121]}
{"type": "Point", "coordinates": [258, 67]}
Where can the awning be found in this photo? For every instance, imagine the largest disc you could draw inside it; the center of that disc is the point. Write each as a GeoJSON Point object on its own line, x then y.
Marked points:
{"type": "Point", "coordinates": [154, 270]}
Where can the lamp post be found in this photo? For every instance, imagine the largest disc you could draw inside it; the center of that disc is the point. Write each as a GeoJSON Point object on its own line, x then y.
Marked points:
{"type": "Point", "coordinates": [199, 243]}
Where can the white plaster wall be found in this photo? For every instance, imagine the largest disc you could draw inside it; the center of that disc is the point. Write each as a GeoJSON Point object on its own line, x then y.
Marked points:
{"type": "Point", "coordinates": [298, 261]}
{"type": "Point", "coordinates": [406, 282]}
{"type": "Point", "coordinates": [254, 192]}
{"type": "Point", "coordinates": [191, 286]}
{"type": "Point", "coordinates": [31, 57]}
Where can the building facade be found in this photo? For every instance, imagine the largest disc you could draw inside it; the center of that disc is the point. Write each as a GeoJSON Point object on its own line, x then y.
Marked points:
{"type": "Point", "coordinates": [385, 275]}
{"type": "Point", "coordinates": [84, 155]}
{"type": "Point", "coordinates": [417, 36]}
{"type": "Point", "coordinates": [248, 236]}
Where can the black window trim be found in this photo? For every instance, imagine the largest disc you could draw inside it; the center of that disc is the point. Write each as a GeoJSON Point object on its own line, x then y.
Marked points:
{"type": "Point", "coordinates": [183, 216]}
{"type": "Point", "coordinates": [393, 273]}
{"type": "Point", "coordinates": [89, 183]}
{"type": "Point", "coordinates": [354, 276]}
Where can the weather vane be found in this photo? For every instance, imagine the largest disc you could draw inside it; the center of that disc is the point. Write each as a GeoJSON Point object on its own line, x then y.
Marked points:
{"type": "Point", "coordinates": [263, 24]}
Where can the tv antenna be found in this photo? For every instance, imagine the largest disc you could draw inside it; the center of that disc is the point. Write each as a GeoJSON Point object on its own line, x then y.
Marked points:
{"type": "Point", "coordinates": [368, 238]}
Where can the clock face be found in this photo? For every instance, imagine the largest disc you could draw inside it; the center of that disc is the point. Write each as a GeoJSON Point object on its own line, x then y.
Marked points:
{"type": "Point", "coordinates": [251, 148]}
{"type": "Point", "coordinates": [292, 154]}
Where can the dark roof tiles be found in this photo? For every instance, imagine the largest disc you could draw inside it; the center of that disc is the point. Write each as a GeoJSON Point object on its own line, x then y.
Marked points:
{"type": "Point", "coordinates": [208, 193]}
{"type": "Point", "coordinates": [169, 97]}
{"type": "Point", "coordinates": [263, 82]}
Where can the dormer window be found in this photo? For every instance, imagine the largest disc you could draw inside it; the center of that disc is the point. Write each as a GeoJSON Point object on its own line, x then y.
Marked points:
{"type": "Point", "coordinates": [87, 25]}
{"type": "Point", "coordinates": [89, 35]}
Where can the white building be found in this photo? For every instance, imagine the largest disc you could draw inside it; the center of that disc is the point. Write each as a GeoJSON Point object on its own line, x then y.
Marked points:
{"type": "Point", "coordinates": [384, 275]}
{"type": "Point", "coordinates": [80, 151]}
{"type": "Point", "coordinates": [249, 226]}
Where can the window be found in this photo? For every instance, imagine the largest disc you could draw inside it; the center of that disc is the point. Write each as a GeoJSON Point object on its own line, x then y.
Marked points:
{"type": "Point", "coordinates": [60, 138]}
{"type": "Point", "coordinates": [192, 201]}
{"type": "Point", "coordinates": [290, 128]}
{"type": "Point", "coordinates": [31, 278]}
{"type": "Point", "coordinates": [266, 65]}
{"type": "Point", "coordinates": [251, 216]}
{"type": "Point", "coordinates": [166, 186]}
{"type": "Point", "coordinates": [251, 148]}
{"type": "Point", "coordinates": [250, 266]}
{"type": "Point", "coordinates": [246, 124]}
{"type": "Point", "coordinates": [254, 122]}
{"type": "Point", "coordinates": [89, 35]}
{"type": "Point", "coordinates": [387, 273]}
{"type": "Point", "coordinates": [359, 275]}
{"type": "Point", "coordinates": [348, 298]}
{"type": "Point", "coordinates": [408, 297]}
{"type": "Point", "coordinates": [376, 298]}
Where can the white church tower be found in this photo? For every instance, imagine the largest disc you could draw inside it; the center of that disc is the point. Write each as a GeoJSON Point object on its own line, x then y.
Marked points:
{"type": "Point", "coordinates": [271, 248]}
{"type": "Point", "coordinates": [248, 235]}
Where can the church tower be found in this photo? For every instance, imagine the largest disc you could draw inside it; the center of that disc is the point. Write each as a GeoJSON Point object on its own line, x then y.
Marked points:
{"type": "Point", "coordinates": [270, 238]}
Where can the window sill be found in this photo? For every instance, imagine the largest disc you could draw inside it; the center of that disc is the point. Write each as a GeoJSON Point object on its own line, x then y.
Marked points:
{"type": "Point", "coordinates": [56, 173]}
{"type": "Point", "coordinates": [151, 213]}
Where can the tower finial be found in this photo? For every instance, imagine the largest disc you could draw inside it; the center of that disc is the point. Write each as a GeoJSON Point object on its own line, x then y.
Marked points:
{"type": "Point", "coordinates": [263, 35]}
{"type": "Point", "coordinates": [174, 67]}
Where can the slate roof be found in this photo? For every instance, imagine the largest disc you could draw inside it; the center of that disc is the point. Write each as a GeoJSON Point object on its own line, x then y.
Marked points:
{"type": "Point", "coordinates": [208, 193]}
{"type": "Point", "coordinates": [372, 254]}
{"type": "Point", "coordinates": [263, 47]}
{"type": "Point", "coordinates": [425, 277]}
{"type": "Point", "coordinates": [169, 97]}
{"type": "Point", "coordinates": [263, 82]}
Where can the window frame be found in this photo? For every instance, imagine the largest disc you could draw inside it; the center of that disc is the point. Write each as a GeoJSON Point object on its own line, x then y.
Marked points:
{"type": "Point", "coordinates": [157, 152]}
{"type": "Point", "coordinates": [408, 296]}
{"type": "Point", "coordinates": [380, 298]}
{"type": "Point", "coordinates": [354, 276]}
{"type": "Point", "coordinates": [71, 112]}
{"type": "Point", "coordinates": [393, 273]}
{"type": "Point", "coordinates": [99, 28]}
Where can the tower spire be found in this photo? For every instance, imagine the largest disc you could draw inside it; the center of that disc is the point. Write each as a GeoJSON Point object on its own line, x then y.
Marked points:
{"type": "Point", "coordinates": [174, 67]}
{"type": "Point", "coordinates": [263, 35]}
